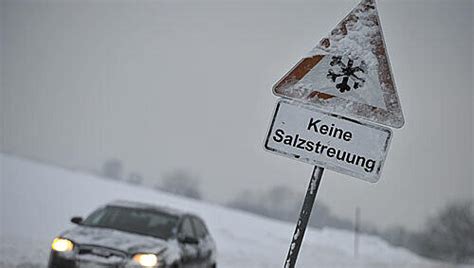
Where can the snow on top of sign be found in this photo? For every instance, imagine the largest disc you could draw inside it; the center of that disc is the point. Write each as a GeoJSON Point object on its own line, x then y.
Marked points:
{"type": "Point", "coordinates": [357, 37]}
{"type": "Point", "coordinates": [353, 39]}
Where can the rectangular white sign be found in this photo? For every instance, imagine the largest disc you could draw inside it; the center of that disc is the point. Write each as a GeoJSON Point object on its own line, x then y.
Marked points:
{"type": "Point", "coordinates": [344, 145]}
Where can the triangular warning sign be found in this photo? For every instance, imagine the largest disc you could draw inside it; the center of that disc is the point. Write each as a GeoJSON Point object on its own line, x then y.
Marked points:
{"type": "Point", "coordinates": [348, 72]}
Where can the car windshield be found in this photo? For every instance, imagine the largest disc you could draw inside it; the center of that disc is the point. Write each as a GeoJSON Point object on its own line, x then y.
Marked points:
{"type": "Point", "coordinates": [134, 220]}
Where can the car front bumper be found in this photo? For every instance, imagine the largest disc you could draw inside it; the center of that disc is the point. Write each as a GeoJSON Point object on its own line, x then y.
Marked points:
{"type": "Point", "coordinates": [62, 260]}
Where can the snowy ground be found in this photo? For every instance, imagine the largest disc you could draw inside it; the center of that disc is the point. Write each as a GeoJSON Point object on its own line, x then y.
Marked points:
{"type": "Point", "coordinates": [37, 202]}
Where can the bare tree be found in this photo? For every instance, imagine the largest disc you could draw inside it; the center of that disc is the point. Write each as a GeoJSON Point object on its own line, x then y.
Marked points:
{"type": "Point", "coordinates": [450, 235]}
{"type": "Point", "coordinates": [181, 182]}
{"type": "Point", "coordinates": [282, 203]}
{"type": "Point", "coordinates": [113, 169]}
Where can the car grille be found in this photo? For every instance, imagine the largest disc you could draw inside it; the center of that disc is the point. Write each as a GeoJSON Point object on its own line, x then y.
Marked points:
{"type": "Point", "coordinates": [95, 256]}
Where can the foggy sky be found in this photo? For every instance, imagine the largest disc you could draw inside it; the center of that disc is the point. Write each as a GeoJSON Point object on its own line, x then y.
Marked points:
{"type": "Point", "coordinates": [166, 85]}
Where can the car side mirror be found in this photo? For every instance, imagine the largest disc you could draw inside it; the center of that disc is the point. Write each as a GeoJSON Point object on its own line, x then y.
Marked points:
{"type": "Point", "coordinates": [76, 220]}
{"type": "Point", "coordinates": [187, 239]}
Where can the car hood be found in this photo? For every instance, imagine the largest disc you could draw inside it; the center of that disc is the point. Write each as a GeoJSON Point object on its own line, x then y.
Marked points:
{"type": "Point", "coordinates": [127, 242]}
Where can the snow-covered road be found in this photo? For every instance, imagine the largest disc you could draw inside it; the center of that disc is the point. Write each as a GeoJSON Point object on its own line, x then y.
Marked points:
{"type": "Point", "coordinates": [37, 201]}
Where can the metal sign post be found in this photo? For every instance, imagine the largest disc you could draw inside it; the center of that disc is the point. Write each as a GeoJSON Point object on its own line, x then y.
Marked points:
{"type": "Point", "coordinates": [305, 214]}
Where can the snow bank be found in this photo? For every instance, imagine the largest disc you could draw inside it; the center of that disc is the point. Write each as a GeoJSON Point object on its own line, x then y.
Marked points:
{"type": "Point", "coordinates": [37, 202]}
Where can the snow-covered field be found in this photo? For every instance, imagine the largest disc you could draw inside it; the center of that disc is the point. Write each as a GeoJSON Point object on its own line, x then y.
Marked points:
{"type": "Point", "coordinates": [37, 202]}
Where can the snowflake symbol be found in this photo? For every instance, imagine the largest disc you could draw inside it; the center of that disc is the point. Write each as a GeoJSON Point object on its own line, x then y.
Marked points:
{"type": "Point", "coordinates": [346, 72]}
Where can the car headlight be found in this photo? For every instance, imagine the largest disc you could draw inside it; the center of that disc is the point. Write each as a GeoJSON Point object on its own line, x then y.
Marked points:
{"type": "Point", "coordinates": [146, 259]}
{"type": "Point", "coordinates": [62, 245]}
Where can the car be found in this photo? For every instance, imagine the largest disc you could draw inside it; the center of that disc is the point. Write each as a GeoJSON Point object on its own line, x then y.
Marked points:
{"type": "Point", "coordinates": [126, 234]}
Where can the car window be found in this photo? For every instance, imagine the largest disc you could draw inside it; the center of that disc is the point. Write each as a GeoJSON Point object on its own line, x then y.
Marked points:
{"type": "Point", "coordinates": [187, 228]}
{"type": "Point", "coordinates": [201, 230]}
{"type": "Point", "coordinates": [134, 220]}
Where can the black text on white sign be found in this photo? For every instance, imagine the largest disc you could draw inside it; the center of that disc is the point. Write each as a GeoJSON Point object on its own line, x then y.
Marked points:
{"type": "Point", "coordinates": [334, 142]}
